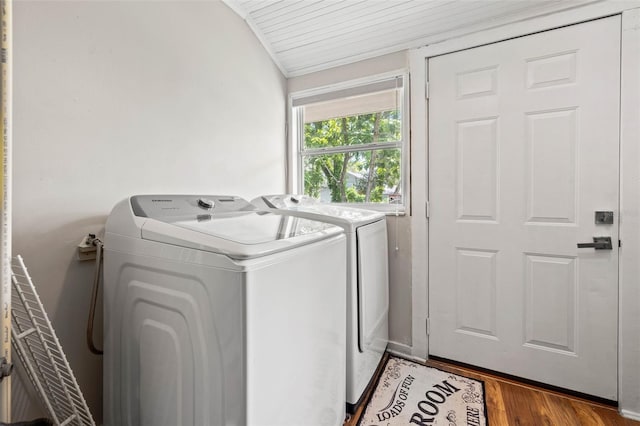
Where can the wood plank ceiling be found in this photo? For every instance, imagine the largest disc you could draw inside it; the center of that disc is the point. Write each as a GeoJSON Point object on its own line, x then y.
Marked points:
{"type": "Point", "coordinates": [305, 36]}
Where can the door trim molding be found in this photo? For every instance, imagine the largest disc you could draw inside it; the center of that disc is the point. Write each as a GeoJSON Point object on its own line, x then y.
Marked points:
{"type": "Point", "coordinates": [555, 20]}
{"type": "Point", "coordinates": [419, 189]}
{"type": "Point", "coordinates": [629, 292]}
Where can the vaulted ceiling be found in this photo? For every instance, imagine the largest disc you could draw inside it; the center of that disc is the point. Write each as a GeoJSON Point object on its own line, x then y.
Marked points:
{"type": "Point", "coordinates": [304, 36]}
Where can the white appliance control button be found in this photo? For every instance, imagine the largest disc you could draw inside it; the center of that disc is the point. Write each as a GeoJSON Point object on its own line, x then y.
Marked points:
{"type": "Point", "coordinates": [205, 203]}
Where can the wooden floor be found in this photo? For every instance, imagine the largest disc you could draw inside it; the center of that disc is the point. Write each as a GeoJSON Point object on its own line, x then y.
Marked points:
{"type": "Point", "coordinates": [511, 403]}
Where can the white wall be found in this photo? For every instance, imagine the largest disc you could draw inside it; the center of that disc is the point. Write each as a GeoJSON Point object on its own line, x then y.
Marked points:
{"type": "Point", "coordinates": [118, 98]}
{"type": "Point", "coordinates": [399, 228]}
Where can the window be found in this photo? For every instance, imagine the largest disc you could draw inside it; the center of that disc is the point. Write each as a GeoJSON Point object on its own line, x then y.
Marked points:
{"type": "Point", "coordinates": [350, 143]}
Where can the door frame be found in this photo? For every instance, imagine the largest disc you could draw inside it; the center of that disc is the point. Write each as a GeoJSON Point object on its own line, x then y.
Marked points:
{"type": "Point", "coordinates": [629, 268]}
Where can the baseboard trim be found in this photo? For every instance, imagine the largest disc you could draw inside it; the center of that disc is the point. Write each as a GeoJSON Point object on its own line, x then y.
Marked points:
{"type": "Point", "coordinates": [399, 348]}
{"type": "Point", "coordinates": [630, 414]}
{"type": "Point", "coordinates": [403, 351]}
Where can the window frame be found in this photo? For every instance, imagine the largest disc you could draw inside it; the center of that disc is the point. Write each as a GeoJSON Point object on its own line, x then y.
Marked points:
{"type": "Point", "coordinates": [297, 153]}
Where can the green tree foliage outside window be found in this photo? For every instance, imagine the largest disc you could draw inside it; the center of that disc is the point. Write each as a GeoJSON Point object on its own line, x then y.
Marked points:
{"type": "Point", "coordinates": [358, 175]}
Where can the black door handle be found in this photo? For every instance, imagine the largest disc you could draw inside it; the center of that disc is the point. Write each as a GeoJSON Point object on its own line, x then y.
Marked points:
{"type": "Point", "coordinates": [599, 243]}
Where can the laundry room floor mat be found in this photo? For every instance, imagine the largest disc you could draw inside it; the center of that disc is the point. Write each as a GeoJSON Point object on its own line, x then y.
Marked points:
{"type": "Point", "coordinates": [408, 393]}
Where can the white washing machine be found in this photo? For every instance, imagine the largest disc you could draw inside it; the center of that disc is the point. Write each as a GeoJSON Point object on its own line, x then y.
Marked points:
{"type": "Point", "coordinates": [367, 281]}
{"type": "Point", "coordinates": [218, 314]}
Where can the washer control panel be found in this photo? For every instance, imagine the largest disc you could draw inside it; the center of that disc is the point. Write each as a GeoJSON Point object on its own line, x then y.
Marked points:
{"type": "Point", "coordinates": [165, 206]}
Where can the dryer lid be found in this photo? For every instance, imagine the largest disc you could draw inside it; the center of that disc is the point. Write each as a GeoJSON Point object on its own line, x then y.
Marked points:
{"type": "Point", "coordinates": [223, 224]}
{"type": "Point", "coordinates": [316, 209]}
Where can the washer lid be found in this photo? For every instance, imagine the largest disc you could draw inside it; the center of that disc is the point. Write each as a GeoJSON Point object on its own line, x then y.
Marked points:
{"type": "Point", "coordinates": [316, 209]}
{"type": "Point", "coordinates": [223, 224]}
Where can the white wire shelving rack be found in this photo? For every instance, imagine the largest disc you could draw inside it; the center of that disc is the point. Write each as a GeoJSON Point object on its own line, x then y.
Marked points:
{"type": "Point", "coordinates": [39, 351]}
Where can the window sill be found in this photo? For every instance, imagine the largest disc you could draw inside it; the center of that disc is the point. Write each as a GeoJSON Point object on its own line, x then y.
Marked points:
{"type": "Point", "coordinates": [387, 209]}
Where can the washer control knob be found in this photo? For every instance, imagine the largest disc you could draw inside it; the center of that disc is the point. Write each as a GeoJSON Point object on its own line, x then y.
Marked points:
{"type": "Point", "coordinates": [205, 203]}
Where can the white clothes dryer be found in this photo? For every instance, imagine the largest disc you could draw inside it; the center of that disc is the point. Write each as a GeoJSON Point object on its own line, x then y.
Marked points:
{"type": "Point", "coordinates": [367, 281]}
{"type": "Point", "coordinates": [218, 314]}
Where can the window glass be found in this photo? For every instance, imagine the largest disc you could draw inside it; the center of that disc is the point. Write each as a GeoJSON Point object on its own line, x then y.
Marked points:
{"type": "Point", "coordinates": [351, 148]}
{"type": "Point", "coordinates": [352, 121]}
{"type": "Point", "coordinates": [349, 177]}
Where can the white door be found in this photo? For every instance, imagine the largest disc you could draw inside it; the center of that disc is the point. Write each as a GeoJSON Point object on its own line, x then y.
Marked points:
{"type": "Point", "coordinates": [523, 150]}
